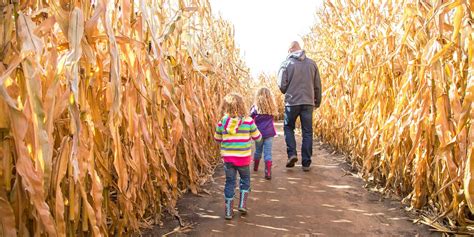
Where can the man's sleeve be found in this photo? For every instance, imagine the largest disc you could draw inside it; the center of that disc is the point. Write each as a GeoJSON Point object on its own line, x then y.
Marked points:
{"type": "Point", "coordinates": [218, 132]}
{"type": "Point", "coordinates": [317, 88]}
{"type": "Point", "coordinates": [283, 81]}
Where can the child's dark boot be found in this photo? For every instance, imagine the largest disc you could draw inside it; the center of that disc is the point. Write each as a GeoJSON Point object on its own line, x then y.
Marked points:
{"type": "Point", "coordinates": [244, 194]}
{"type": "Point", "coordinates": [229, 208]}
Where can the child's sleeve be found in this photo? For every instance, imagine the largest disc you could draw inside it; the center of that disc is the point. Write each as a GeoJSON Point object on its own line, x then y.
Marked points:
{"type": "Point", "coordinates": [254, 133]}
{"type": "Point", "coordinates": [218, 132]}
{"type": "Point", "coordinates": [253, 112]}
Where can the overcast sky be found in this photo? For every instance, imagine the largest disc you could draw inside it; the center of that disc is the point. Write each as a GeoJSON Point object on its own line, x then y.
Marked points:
{"type": "Point", "coordinates": [265, 28]}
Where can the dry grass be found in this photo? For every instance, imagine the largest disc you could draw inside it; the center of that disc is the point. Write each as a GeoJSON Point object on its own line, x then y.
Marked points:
{"type": "Point", "coordinates": [398, 80]}
{"type": "Point", "coordinates": [107, 111]}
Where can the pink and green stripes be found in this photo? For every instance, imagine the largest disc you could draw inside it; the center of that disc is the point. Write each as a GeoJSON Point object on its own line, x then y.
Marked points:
{"type": "Point", "coordinates": [235, 136]}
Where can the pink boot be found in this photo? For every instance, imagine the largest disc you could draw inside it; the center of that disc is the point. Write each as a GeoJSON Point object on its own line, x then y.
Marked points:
{"type": "Point", "coordinates": [268, 169]}
{"type": "Point", "coordinates": [255, 164]}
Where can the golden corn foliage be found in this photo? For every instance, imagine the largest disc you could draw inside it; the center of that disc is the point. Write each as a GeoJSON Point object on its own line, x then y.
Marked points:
{"type": "Point", "coordinates": [107, 110]}
{"type": "Point", "coordinates": [398, 80]}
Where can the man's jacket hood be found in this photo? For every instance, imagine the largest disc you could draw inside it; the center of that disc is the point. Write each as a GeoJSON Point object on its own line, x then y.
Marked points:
{"type": "Point", "coordinates": [299, 55]}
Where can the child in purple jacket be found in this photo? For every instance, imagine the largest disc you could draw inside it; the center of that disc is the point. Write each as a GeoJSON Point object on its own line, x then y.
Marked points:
{"type": "Point", "coordinates": [262, 112]}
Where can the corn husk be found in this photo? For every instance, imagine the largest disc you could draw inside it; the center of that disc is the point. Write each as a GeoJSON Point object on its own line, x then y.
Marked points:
{"type": "Point", "coordinates": [107, 111]}
{"type": "Point", "coordinates": [398, 91]}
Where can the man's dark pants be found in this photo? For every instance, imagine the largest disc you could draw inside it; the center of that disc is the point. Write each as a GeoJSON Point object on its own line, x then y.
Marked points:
{"type": "Point", "coordinates": [305, 112]}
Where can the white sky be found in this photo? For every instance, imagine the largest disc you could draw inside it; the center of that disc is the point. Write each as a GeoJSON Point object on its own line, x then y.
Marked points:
{"type": "Point", "coordinates": [264, 29]}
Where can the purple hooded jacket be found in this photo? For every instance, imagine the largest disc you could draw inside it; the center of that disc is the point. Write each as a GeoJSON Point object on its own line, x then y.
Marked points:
{"type": "Point", "coordinates": [264, 123]}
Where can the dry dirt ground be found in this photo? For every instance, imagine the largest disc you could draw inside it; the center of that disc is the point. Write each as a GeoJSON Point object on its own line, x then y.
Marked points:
{"type": "Point", "coordinates": [327, 201]}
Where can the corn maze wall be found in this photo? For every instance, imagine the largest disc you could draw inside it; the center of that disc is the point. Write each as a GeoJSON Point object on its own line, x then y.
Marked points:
{"type": "Point", "coordinates": [107, 110]}
{"type": "Point", "coordinates": [398, 80]}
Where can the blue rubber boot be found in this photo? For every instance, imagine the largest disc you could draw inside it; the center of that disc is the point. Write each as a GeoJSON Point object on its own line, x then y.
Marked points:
{"type": "Point", "coordinates": [244, 194]}
{"type": "Point", "coordinates": [229, 208]}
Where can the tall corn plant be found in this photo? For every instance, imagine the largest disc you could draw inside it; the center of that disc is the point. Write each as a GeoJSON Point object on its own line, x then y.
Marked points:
{"type": "Point", "coordinates": [398, 80]}
{"type": "Point", "coordinates": [107, 110]}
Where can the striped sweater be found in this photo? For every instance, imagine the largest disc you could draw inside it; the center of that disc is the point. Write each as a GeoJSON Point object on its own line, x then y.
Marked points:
{"type": "Point", "coordinates": [235, 136]}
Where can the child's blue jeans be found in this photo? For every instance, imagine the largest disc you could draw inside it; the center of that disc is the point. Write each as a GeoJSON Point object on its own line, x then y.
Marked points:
{"type": "Point", "coordinates": [231, 176]}
{"type": "Point", "coordinates": [265, 147]}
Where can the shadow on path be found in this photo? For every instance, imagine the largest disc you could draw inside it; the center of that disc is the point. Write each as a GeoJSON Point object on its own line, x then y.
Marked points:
{"type": "Point", "coordinates": [323, 202]}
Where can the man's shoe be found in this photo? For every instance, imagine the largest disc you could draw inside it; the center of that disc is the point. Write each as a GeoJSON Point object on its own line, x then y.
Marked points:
{"type": "Point", "coordinates": [291, 161]}
{"type": "Point", "coordinates": [306, 168]}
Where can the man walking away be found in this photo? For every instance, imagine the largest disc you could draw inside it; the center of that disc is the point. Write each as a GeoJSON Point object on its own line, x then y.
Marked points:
{"type": "Point", "coordinates": [299, 80]}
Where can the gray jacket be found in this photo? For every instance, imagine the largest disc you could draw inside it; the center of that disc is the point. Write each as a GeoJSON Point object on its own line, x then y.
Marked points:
{"type": "Point", "coordinates": [299, 80]}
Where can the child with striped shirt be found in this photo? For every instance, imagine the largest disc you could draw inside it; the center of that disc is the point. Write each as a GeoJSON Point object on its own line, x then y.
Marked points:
{"type": "Point", "coordinates": [235, 132]}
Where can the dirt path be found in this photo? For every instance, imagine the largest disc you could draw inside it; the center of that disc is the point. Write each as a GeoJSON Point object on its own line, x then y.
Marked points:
{"type": "Point", "coordinates": [323, 202]}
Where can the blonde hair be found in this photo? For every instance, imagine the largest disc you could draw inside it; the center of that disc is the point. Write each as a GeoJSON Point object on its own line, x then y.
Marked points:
{"type": "Point", "coordinates": [233, 105]}
{"type": "Point", "coordinates": [264, 102]}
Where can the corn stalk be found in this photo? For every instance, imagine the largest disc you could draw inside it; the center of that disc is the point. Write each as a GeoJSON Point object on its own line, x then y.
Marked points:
{"type": "Point", "coordinates": [107, 110]}
{"type": "Point", "coordinates": [398, 80]}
